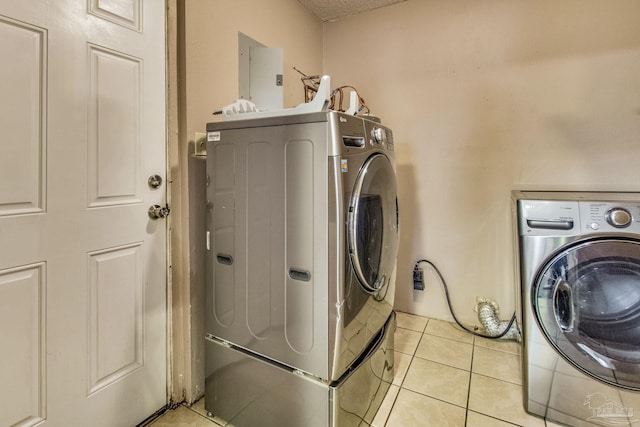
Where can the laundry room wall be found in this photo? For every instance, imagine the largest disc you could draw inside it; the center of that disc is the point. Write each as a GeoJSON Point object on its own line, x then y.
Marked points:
{"type": "Point", "coordinates": [212, 28]}
{"type": "Point", "coordinates": [487, 97]}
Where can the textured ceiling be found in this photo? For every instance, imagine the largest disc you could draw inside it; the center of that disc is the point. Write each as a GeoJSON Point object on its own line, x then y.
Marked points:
{"type": "Point", "coordinates": [331, 10]}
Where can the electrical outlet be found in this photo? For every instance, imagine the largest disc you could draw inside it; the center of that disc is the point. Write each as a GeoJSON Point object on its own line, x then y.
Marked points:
{"type": "Point", "coordinates": [201, 144]}
{"type": "Point", "coordinates": [418, 279]}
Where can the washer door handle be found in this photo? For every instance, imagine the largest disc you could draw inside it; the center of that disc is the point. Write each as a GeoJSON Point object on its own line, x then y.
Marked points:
{"type": "Point", "coordinates": [563, 306]}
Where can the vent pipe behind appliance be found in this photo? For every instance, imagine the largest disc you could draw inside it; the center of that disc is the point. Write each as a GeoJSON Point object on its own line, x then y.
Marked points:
{"type": "Point", "coordinates": [488, 312]}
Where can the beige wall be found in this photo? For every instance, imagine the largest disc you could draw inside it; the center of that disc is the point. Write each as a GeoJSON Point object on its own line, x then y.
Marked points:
{"type": "Point", "coordinates": [486, 97]}
{"type": "Point", "coordinates": [212, 50]}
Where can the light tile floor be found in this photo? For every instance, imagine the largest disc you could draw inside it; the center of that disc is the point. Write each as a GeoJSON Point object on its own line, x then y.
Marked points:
{"type": "Point", "coordinates": [444, 377]}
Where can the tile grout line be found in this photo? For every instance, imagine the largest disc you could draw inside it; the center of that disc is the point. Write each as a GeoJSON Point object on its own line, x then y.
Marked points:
{"type": "Point", "coordinates": [474, 345]}
{"type": "Point", "coordinates": [470, 371]}
{"type": "Point", "coordinates": [473, 352]}
{"type": "Point", "coordinates": [413, 355]}
{"type": "Point", "coordinates": [490, 377]}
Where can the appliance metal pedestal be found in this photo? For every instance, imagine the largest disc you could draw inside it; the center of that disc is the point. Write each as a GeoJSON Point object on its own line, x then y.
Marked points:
{"type": "Point", "coordinates": [248, 390]}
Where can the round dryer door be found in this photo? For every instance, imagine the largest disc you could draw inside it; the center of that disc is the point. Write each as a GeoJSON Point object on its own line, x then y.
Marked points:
{"type": "Point", "coordinates": [373, 223]}
{"type": "Point", "coordinates": [587, 302]}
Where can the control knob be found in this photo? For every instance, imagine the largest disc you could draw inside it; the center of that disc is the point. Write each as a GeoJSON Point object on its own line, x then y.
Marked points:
{"type": "Point", "coordinates": [618, 217]}
{"type": "Point", "coordinates": [379, 135]}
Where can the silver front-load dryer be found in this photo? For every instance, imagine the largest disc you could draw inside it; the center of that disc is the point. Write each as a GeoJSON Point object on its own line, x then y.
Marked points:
{"type": "Point", "coordinates": [303, 237]}
{"type": "Point", "coordinates": [579, 257]}
{"type": "Point", "coordinates": [302, 226]}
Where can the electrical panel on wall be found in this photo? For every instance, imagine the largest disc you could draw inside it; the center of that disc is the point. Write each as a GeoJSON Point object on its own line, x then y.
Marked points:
{"type": "Point", "coordinates": [260, 73]}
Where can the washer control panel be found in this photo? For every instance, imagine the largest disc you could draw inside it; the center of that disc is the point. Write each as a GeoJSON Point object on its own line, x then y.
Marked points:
{"type": "Point", "coordinates": [610, 216]}
{"type": "Point", "coordinates": [574, 217]}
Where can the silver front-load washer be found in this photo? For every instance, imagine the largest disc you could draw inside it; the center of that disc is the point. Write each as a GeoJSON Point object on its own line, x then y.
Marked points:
{"type": "Point", "coordinates": [579, 258]}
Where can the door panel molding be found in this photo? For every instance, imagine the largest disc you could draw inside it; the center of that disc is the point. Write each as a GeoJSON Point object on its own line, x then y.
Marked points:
{"type": "Point", "coordinates": [114, 127]}
{"type": "Point", "coordinates": [116, 289]}
{"type": "Point", "coordinates": [23, 332]}
{"type": "Point", "coordinates": [126, 13]}
{"type": "Point", "coordinates": [23, 121]}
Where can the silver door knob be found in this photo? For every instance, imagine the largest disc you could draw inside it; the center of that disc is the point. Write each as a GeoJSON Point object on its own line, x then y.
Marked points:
{"type": "Point", "coordinates": [157, 211]}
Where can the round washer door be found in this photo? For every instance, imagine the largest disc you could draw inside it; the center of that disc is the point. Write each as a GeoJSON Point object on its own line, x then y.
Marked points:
{"type": "Point", "coordinates": [373, 223]}
{"type": "Point", "coordinates": [587, 302]}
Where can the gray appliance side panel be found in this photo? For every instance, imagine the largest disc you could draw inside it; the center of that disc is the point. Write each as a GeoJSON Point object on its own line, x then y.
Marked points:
{"type": "Point", "coordinates": [222, 235]}
{"type": "Point", "coordinates": [198, 262]}
{"type": "Point", "coordinates": [517, 255]}
{"type": "Point", "coordinates": [267, 285]}
{"type": "Point", "coordinates": [336, 257]}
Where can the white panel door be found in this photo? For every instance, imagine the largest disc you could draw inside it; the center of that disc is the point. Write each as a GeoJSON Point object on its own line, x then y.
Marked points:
{"type": "Point", "coordinates": [82, 266]}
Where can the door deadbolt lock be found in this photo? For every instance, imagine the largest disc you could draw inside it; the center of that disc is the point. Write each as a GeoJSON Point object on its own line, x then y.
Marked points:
{"type": "Point", "coordinates": [155, 181]}
{"type": "Point", "coordinates": [157, 211]}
